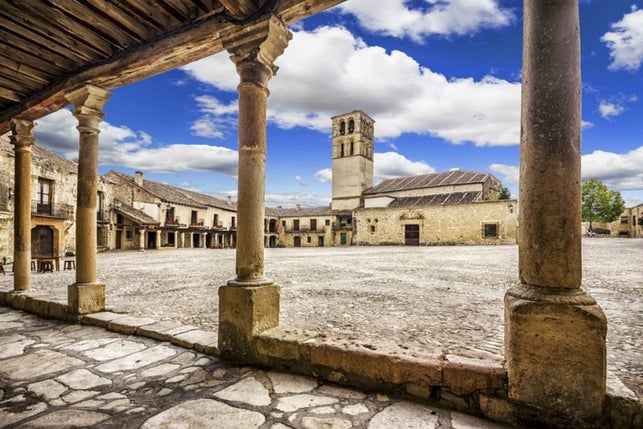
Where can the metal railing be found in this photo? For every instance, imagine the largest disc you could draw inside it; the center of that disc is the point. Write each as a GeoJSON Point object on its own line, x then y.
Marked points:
{"type": "Point", "coordinates": [63, 211]}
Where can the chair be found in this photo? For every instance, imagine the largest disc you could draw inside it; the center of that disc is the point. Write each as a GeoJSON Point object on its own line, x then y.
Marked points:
{"type": "Point", "coordinates": [69, 264]}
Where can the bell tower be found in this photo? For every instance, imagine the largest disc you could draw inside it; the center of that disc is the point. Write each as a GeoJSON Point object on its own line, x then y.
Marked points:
{"type": "Point", "coordinates": [352, 159]}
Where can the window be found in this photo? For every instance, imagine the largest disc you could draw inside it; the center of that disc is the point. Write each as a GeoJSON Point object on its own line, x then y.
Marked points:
{"type": "Point", "coordinates": [633, 220]}
{"type": "Point", "coordinates": [309, 239]}
{"type": "Point", "coordinates": [372, 229]}
{"type": "Point", "coordinates": [169, 216]}
{"type": "Point", "coordinates": [327, 223]}
{"type": "Point", "coordinates": [624, 219]}
{"type": "Point", "coordinates": [283, 224]}
{"type": "Point", "coordinates": [295, 225]}
{"type": "Point", "coordinates": [342, 128]}
{"type": "Point", "coordinates": [313, 224]}
{"type": "Point", "coordinates": [352, 152]}
{"type": "Point", "coordinates": [341, 150]}
{"type": "Point", "coordinates": [100, 216]}
{"type": "Point", "coordinates": [490, 230]}
{"type": "Point", "coordinates": [194, 217]}
{"type": "Point", "coordinates": [233, 222]}
{"type": "Point", "coordinates": [351, 126]}
{"type": "Point", "coordinates": [43, 203]}
{"type": "Point", "coordinates": [129, 234]}
{"type": "Point", "coordinates": [215, 220]}
{"type": "Point", "coordinates": [119, 219]}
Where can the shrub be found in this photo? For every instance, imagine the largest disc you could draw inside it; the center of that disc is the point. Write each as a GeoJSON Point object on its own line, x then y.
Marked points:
{"type": "Point", "coordinates": [602, 231]}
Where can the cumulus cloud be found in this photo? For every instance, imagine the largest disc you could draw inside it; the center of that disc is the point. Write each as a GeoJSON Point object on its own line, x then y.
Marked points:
{"type": "Point", "coordinates": [438, 17]}
{"type": "Point", "coordinates": [400, 94]}
{"type": "Point", "coordinates": [621, 171]}
{"type": "Point", "coordinates": [509, 174]}
{"type": "Point", "coordinates": [293, 198]}
{"type": "Point", "coordinates": [324, 176]}
{"type": "Point", "coordinates": [218, 118]}
{"type": "Point", "coordinates": [391, 164]}
{"type": "Point", "coordinates": [300, 181]}
{"type": "Point", "coordinates": [120, 145]}
{"type": "Point", "coordinates": [625, 41]}
{"type": "Point", "coordinates": [607, 109]}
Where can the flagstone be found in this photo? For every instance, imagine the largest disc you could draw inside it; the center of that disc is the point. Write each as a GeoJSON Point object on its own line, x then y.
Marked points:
{"type": "Point", "coordinates": [249, 391]}
{"type": "Point", "coordinates": [205, 413]}
{"type": "Point", "coordinates": [33, 365]}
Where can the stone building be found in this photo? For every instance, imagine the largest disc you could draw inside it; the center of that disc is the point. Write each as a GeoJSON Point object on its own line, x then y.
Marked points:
{"type": "Point", "coordinates": [454, 207]}
{"type": "Point", "coordinates": [628, 225]}
{"type": "Point", "coordinates": [53, 182]}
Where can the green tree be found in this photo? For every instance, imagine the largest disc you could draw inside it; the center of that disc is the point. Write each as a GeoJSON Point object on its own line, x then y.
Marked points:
{"type": "Point", "coordinates": [600, 204]}
{"type": "Point", "coordinates": [504, 194]}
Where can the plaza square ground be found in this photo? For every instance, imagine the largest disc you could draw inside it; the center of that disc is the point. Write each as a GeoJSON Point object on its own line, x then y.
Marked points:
{"type": "Point", "coordinates": [437, 297]}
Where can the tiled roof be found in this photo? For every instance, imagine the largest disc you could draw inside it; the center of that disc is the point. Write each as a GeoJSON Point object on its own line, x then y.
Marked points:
{"type": "Point", "coordinates": [167, 193]}
{"type": "Point", "coordinates": [303, 211]}
{"type": "Point", "coordinates": [134, 214]}
{"type": "Point", "coordinates": [438, 200]}
{"type": "Point", "coordinates": [209, 200]}
{"type": "Point", "coordinates": [455, 177]}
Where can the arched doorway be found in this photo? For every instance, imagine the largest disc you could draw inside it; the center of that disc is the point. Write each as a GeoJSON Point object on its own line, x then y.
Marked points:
{"type": "Point", "coordinates": [42, 241]}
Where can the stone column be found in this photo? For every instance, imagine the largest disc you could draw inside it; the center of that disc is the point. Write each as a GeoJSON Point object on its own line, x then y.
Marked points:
{"type": "Point", "coordinates": [87, 295]}
{"type": "Point", "coordinates": [141, 240]}
{"type": "Point", "coordinates": [249, 304]}
{"type": "Point", "coordinates": [157, 241]}
{"type": "Point", "coordinates": [22, 140]}
{"type": "Point", "coordinates": [554, 331]}
{"type": "Point", "coordinates": [203, 239]}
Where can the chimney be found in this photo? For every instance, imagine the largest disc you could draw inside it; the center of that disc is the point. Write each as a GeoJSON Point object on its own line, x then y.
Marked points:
{"type": "Point", "coordinates": [229, 200]}
{"type": "Point", "coordinates": [297, 207]}
{"type": "Point", "coordinates": [138, 178]}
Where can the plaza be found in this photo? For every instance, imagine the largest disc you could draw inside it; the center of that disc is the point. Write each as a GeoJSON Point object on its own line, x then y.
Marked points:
{"type": "Point", "coordinates": [442, 297]}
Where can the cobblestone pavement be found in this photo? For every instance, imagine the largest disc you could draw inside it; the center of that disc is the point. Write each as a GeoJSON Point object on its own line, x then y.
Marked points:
{"type": "Point", "coordinates": [436, 297]}
{"type": "Point", "coordinates": [57, 375]}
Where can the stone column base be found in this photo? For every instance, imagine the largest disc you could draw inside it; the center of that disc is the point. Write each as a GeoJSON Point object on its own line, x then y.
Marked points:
{"type": "Point", "coordinates": [85, 298]}
{"type": "Point", "coordinates": [555, 351]}
{"type": "Point", "coordinates": [245, 312]}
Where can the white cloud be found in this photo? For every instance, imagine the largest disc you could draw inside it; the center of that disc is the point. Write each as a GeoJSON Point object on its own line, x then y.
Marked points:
{"type": "Point", "coordinates": [300, 181]}
{"type": "Point", "coordinates": [122, 146]}
{"type": "Point", "coordinates": [439, 17]}
{"type": "Point", "coordinates": [324, 176]}
{"type": "Point", "coordinates": [391, 164]}
{"type": "Point", "coordinates": [218, 118]}
{"type": "Point", "coordinates": [510, 174]}
{"type": "Point", "coordinates": [608, 109]}
{"type": "Point", "coordinates": [618, 171]}
{"type": "Point", "coordinates": [625, 41]}
{"type": "Point", "coordinates": [400, 94]}
{"type": "Point", "coordinates": [621, 171]}
{"type": "Point", "coordinates": [291, 199]}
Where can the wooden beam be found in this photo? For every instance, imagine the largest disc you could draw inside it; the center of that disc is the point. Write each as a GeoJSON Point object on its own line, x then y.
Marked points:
{"type": "Point", "coordinates": [156, 55]}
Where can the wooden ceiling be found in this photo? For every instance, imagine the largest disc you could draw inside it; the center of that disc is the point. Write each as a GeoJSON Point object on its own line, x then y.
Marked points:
{"type": "Point", "coordinates": [48, 47]}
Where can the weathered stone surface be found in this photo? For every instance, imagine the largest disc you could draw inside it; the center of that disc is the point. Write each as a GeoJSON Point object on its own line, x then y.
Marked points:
{"type": "Point", "coordinates": [463, 375]}
{"type": "Point", "coordinates": [296, 402]}
{"type": "Point", "coordinates": [86, 298]}
{"type": "Point", "coordinates": [138, 360]}
{"type": "Point", "coordinates": [79, 395]}
{"type": "Point", "coordinates": [205, 413]}
{"type": "Point", "coordinates": [325, 423]}
{"type": "Point", "coordinates": [47, 389]}
{"type": "Point", "coordinates": [158, 330]}
{"type": "Point", "coordinates": [290, 383]}
{"type": "Point", "coordinates": [191, 338]}
{"type": "Point", "coordinates": [67, 419]}
{"type": "Point", "coordinates": [37, 364]}
{"type": "Point", "coordinates": [556, 356]}
{"type": "Point", "coordinates": [161, 369]}
{"type": "Point", "coordinates": [248, 391]}
{"type": "Point", "coordinates": [89, 344]}
{"type": "Point", "coordinates": [99, 319]}
{"type": "Point", "coordinates": [406, 415]}
{"type": "Point", "coordinates": [342, 392]}
{"type": "Point", "coordinates": [7, 417]}
{"type": "Point", "coordinates": [114, 350]}
{"type": "Point", "coordinates": [15, 348]}
{"type": "Point", "coordinates": [128, 325]}
{"type": "Point", "coordinates": [82, 379]}
{"type": "Point", "coordinates": [355, 409]}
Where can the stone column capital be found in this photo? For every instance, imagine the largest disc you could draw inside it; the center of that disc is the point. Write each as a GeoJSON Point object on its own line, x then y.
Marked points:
{"type": "Point", "coordinates": [88, 102]}
{"type": "Point", "coordinates": [21, 134]}
{"type": "Point", "coordinates": [256, 47]}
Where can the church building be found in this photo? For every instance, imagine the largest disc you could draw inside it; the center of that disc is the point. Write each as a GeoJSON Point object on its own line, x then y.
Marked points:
{"type": "Point", "coordinates": [453, 207]}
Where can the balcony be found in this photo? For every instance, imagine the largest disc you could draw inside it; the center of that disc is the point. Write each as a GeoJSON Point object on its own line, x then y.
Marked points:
{"type": "Point", "coordinates": [61, 211]}
{"type": "Point", "coordinates": [102, 216]}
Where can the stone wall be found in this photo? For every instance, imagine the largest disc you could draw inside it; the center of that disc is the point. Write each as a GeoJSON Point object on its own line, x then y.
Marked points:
{"type": "Point", "coordinates": [450, 224]}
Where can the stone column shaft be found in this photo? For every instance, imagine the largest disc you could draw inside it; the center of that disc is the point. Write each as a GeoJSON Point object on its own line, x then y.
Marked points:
{"type": "Point", "coordinates": [141, 240]}
{"type": "Point", "coordinates": [87, 295]}
{"type": "Point", "coordinates": [249, 304]}
{"type": "Point", "coordinates": [554, 331]}
{"type": "Point", "coordinates": [157, 241]}
{"type": "Point", "coordinates": [22, 139]}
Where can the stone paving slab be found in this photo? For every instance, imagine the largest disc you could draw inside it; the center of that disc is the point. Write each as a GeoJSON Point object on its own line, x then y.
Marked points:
{"type": "Point", "coordinates": [78, 376]}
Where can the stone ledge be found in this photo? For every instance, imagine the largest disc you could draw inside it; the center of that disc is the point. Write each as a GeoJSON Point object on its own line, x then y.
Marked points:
{"type": "Point", "coordinates": [198, 340]}
{"type": "Point", "coordinates": [127, 324]}
{"type": "Point", "coordinates": [464, 375]}
{"type": "Point", "coordinates": [99, 319]}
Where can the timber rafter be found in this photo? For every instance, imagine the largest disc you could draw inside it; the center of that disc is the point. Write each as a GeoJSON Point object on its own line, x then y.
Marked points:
{"type": "Point", "coordinates": [48, 47]}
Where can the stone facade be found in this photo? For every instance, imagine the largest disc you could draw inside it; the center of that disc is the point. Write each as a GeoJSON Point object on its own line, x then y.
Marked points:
{"type": "Point", "coordinates": [489, 222]}
{"type": "Point", "coordinates": [628, 225]}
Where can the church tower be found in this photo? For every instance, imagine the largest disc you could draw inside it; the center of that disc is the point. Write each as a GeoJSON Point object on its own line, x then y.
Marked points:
{"type": "Point", "coordinates": [352, 159]}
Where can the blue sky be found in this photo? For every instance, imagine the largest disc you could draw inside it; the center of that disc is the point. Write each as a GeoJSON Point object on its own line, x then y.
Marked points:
{"type": "Point", "coordinates": [441, 78]}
